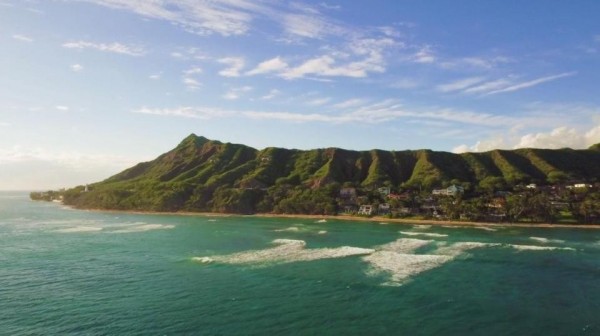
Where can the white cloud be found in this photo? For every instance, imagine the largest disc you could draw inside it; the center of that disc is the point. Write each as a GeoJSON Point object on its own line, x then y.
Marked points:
{"type": "Point", "coordinates": [231, 17]}
{"type": "Point", "coordinates": [424, 56]}
{"type": "Point", "coordinates": [76, 67]}
{"type": "Point", "coordinates": [560, 137]}
{"type": "Point", "coordinates": [305, 25]}
{"type": "Point", "coordinates": [531, 83]}
{"type": "Point", "coordinates": [155, 76]}
{"type": "Point", "coordinates": [62, 108]}
{"type": "Point", "coordinates": [319, 101]}
{"type": "Point", "coordinates": [4, 124]}
{"type": "Point", "coordinates": [236, 64]}
{"type": "Point", "coordinates": [235, 93]}
{"type": "Point", "coordinates": [189, 78]}
{"type": "Point", "coordinates": [272, 65]}
{"type": "Point", "coordinates": [38, 168]}
{"type": "Point", "coordinates": [22, 38]}
{"type": "Point", "coordinates": [460, 84]}
{"type": "Point", "coordinates": [488, 86]}
{"type": "Point", "coordinates": [114, 47]}
{"type": "Point", "coordinates": [187, 112]}
{"type": "Point", "coordinates": [375, 113]}
{"type": "Point", "coordinates": [405, 83]}
{"type": "Point", "coordinates": [349, 103]}
{"type": "Point", "coordinates": [272, 94]}
{"type": "Point", "coordinates": [475, 62]}
{"type": "Point", "coordinates": [330, 6]}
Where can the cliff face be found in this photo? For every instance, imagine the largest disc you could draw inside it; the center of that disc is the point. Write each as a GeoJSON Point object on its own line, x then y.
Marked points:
{"type": "Point", "coordinates": [206, 175]}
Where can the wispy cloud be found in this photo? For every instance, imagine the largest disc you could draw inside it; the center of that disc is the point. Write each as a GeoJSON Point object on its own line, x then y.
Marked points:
{"type": "Point", "coordinates": [22, 38]}
{"type": "Point", "coordinates": [187, 112]}
{"type": "Point", "coordinates": [366, 57]}
{"type": "Point", "coordinates": [478, 85]}
{"type": "Point", "coordinates": [272, 94]}
{"type": "Point", "coordinates": [235, 93]}
{"type": "Point", "coordinates": [349, 103]}
{"type": "Point", "coordinates": [319, 101]}
{"type": "Point", "coordinates": [375, 113]}
{"type": "Point", "coordinates": [269, 66]}
{"type": "Point", "coordinates": [76, 67]}
{"type": "Point", "coordinates": [424, 55]}
{"type": "Point", "coordinates": [460, 84]}
{"type": "Point", "coordinates": [114, 47]}
{"type": "Point", "coordinates": [62, 108]}
{"type": "Point", "coordinates": [235, 65]}
{"type": "Point", "coordinates": [232, 17]}
{"type": "Point", "coordinates": [190, 80]}
{"type": "Point", "coordinates": [528, 84]}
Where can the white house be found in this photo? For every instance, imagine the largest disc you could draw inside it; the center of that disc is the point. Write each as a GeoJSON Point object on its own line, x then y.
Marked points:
{"type": "Point", "coordinates": [365, 210]}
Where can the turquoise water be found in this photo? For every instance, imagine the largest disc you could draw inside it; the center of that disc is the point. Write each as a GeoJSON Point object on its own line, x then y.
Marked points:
{"type": "Point", "coordinates": [87, 273]}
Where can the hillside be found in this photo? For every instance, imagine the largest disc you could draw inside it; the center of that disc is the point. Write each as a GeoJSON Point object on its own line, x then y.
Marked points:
{"type": "Point", "coordinates": [206, 175]}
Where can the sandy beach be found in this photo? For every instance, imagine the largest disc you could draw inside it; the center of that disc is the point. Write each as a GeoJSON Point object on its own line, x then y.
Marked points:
{"type": "Point", "coordinates": [362, 219]}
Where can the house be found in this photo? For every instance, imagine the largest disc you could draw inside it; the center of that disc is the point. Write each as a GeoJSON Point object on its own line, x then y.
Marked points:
{"type": "Point", "coordinates": [383, 209]}
{"type": "Point", "coordinates": [366, 209]}
{"type": "Point", "coordinates": [348, 193]}
{"type": "Point", "coordinates": [404, 196]}
{"type": "Point", "coordinates": [349, 209]}
{"type": "Point", "coordinates": [384, 191]}
{"type": "Point", "coordinates": [452, 190]}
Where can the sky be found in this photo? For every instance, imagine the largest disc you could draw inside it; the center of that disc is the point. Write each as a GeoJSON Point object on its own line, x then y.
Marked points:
{"type": "Point", "coordinates": [91, 87]}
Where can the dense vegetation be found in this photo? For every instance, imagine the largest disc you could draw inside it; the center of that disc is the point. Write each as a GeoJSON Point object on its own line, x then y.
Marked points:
{"type": "Point", "coordinates": [205, 175]}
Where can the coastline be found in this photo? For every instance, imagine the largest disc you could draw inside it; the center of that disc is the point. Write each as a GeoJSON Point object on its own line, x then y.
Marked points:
{"type": "Point", "coordinates": [356, 219]}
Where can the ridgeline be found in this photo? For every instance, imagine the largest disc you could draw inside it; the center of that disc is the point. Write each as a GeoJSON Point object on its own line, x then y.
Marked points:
{"type": "Point", "coordinates": [202, 175]}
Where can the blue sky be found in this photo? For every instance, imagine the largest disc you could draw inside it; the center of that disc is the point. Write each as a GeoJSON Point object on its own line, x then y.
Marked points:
{"type": "Point", "coordinates": [92, 87]}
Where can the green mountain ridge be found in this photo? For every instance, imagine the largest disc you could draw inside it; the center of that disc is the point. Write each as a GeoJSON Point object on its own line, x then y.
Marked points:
{"type": "Point", "coordinates": [206, 175]}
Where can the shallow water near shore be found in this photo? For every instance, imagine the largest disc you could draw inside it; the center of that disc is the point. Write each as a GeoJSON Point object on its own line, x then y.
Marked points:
{"type": "Point", "coordinates": [67, 271]}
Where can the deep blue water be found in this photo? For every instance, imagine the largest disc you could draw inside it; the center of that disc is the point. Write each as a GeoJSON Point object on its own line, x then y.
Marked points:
{"type": "Point", "coordinates": [75, 272]}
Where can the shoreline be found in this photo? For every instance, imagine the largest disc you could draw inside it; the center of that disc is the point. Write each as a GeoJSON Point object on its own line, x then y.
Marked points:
{"type": "Point", "coordinates": [356, 219]}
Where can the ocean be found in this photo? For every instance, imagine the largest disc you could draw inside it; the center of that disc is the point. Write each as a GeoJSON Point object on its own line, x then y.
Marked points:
{"type": "Point", "coordinates": [72, 272]}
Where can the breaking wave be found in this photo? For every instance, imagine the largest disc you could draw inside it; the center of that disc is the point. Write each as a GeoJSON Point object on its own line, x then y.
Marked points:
{"type": "Point", "coordinates": [396, 260]}
{"type": "Point", "coordinates": [285, 251]}
{"type": "Point", "coordinates": [80, 229]}
{"type": "Point", "coordinates": [547, 240]}
{"type": "Point", "coordinates": [144, 227]}
{"type": "Point", "coordinates": [426, 234]}
{"type": "Point", "coordinates": [539, 248]}
{"type": "Point", "coordinates": [290, 229]}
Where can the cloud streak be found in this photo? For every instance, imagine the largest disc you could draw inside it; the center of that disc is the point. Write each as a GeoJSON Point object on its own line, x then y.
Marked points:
{"type": "Point", "coordinates": [22, 38]}
{"type": "Point", "coordinates": [535, 82]}
{"type": "Point", "coordinates": [115, 47]}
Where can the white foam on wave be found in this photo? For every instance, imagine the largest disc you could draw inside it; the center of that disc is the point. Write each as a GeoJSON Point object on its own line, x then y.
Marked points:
{"type": "Point", "coordinates": [404, 245]}
{"type": "Point", "coordinates": [460, 248]}
{"type": "Point", "coordinates": [289, 229]}
{"type": "Point", "coordinates": [400, 266]}
{"type": "Point", "coordinates": [203, 260]}
{"type": "Point", "coordinates": [286, 251]}
{"type": "Point", "coordinates": [539, 248]}
{"type": "Point", "coordinates": [397, 260]}
{"type": "Point", "coordinates": [485, 228]}
{"type": "Point", "coordinates": [77, 229]}
{"type": "Point", "coordinates": [212, 220]}
{"type": "Point", "coordinates": [144, 227]}
{"type": "Point", "coordinates": [421, 227]}
{"type": "Point", "coordinates": [321, 221]}
{"type": "Point", "coordinates": [547, 240]}
{"type": "Point", "coordinates": [426, 234]}
{"type": "Point", "coordinates": [322, 232]}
